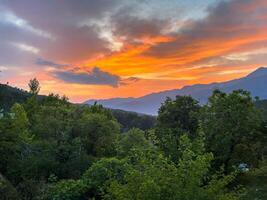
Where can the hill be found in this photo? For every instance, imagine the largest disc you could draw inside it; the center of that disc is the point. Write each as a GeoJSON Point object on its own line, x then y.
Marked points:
{"type": "Point", "coordinates": [10, 95]}
{"type": "Point", "coordinates": [255, 83]}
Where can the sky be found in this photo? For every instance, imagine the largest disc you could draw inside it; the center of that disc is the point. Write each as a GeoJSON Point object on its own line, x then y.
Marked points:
{"type": "Point", "coordinates": [98, 49]}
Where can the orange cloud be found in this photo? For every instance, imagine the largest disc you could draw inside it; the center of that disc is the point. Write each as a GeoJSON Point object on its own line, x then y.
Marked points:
{"type": "Point", "coordinates": [228, 43]}
{"type": "Point", "coordinates": [231, 27]}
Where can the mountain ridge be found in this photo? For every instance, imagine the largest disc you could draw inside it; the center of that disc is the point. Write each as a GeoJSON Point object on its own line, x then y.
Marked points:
{"type": "Point", "coordinates": [255, 82]}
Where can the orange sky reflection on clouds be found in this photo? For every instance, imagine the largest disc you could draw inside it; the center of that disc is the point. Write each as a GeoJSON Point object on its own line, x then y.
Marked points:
{"type": "Point", "coordinates": [229, 42]}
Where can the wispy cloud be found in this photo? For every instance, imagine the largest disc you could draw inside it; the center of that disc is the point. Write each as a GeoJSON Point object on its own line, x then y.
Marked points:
{"type": "Point", "coordinates": [43, 62]}
{"type": "Point", "coordinates": [9, 17]}
{"type": "Point", "coordinates": [26, 47]}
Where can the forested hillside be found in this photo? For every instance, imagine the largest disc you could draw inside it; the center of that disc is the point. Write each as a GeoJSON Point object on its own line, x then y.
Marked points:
{"type": "Point", "coordinates": [10, 95]}
{"type": "Point", "coordinates": [54, 150]}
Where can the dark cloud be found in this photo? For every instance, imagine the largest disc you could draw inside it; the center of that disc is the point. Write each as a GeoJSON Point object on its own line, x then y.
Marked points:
{"type": "Point", "coordinates": [94, 77]}
{"type": "Point", "coordinates": [50, 12]}
{"type": "Point", "coordinates": [135, 27]}
{"type": "Point", "coordinates": [71, 26]}
{"type": "Point", "coordinates": [43, 62]}
{"type": "Point", "coordinates": [16, 32]}
{"type": "Point", "coordinates": [65, 22]}
{"type": "Point", "coordinates": [129, 80]}
{"type": "Point", "coordinates": [75, 44]}
{"type": "Point", "coordinates": [229, 26]}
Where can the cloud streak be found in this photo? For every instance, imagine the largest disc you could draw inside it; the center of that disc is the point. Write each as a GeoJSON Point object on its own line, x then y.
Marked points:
{"type": "Point", "coordinates": [43, 62]}
{"type": "Point", "coordinates": [94, 77]}
{"type": "Point", "coordinates": [80, 75]}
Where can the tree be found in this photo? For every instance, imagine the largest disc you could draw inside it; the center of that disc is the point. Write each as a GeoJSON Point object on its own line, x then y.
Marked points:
{"type": "Point", "coordinates": [175, 118]}
{"type": "Point", "coordinates": [20, 123]}
{"type": "Point", "coordinates": [14, 138]}
{"type": "Point", "coordinates": [7, 190]}
{"type": "Point", "coordinates": [34, 86]}
{"type": "Point", "coordinates": [134, 138]}
{"type": "Point", "coordinates": [99, 176]}
{"type": "Point", "coordinates": [231, 124]}
{"type": "Point", "coordinates": [99, 134]}
{"type": "Point", "coordinates": [150, 175]}
{"type": "Point", "coordinates": [180, 113]}
{"type": "Point", "coordinates": [53, 121]}
{"type": "Point", "coordinates": [65, 190]}
{"type": "Point", "coordinates": [55, 100]}
{"type": "Point", "coordinates": [31, 104]}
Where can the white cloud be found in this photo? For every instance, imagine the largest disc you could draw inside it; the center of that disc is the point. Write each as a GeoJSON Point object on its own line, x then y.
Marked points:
{"type": "Point", "coordinates": [25, 47]}
{"type": "Point", "coordinates": [3, 68]}
{"type": "Point", "coordinates": [10, 18]}
{"type": "Point", "coordinates": [244, 56]}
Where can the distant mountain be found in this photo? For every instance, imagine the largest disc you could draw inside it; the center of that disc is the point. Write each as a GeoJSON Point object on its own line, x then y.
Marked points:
{"type": "Point", "coordinates": [255, 82]}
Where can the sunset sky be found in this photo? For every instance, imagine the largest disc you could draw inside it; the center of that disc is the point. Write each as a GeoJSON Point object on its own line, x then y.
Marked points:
{"type": "Point", "coordinates": [122, 48]}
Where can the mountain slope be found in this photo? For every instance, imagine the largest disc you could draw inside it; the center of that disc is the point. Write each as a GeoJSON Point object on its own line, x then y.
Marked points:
{"type": "Point", "coordinates": [10, 95]}
{"type": "Point", "coordinates": [255, 82]}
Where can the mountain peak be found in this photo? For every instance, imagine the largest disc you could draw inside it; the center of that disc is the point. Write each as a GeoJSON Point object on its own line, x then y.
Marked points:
{"type": "Point", "coordinates": [261, 71]}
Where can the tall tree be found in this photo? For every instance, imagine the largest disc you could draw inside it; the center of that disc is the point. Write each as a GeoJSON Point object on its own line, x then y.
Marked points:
{"type": "Point", "coordinates": [34, 86]}
{"type": "Point", "coordinates": [175, 118]}
{"type": "Point", "coordinates": [231, 124]}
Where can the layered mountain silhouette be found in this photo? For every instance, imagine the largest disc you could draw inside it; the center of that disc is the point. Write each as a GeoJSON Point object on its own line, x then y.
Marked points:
{"type": "Point", "coordinates": [255, 82]}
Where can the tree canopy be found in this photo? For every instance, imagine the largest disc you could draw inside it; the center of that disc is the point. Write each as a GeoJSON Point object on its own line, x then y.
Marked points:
{"type": "Point", "coordinates": [53, 149]}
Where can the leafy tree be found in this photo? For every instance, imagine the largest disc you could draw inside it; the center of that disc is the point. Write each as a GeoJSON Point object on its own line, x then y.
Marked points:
{"type": "Point", "coordinates": [66, 159]}
{"type": "Point", "coordinates": [150, 175]}
{"type": "Point", "coordinates": [53, 121]}
{"type": "Point", "coordinates": [175, 118]}
{"type": "Point", "coordinates": [34, 86]}
{"type": "Point", "coordinates": [231, 124]}
{"type": "Point", "coordinates": [7, 190]}
{"type": "Point", "coordinates": [20, 123]}
{"type": "Point", "coordinates": [31, 104]}
{"type": "Point", "coordinates": [99, 134]}
{"type": "Point", "coordinates": [180, 113]}
{"type": "Point", "coordinates": [14, 138]}
{"type": "Point", "coordinates": [99, 176]}
{"type": "Point", "coordinates": [65, 190]}
{"type": "Point", "coordinates": [134, 138]}
{"type": "Point", "coordinates": [54, 100]}
{"type": "Point", "coordinates": [9, 144]}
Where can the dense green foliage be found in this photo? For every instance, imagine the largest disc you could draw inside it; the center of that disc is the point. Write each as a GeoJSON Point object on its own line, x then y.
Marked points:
{"type": "Point", "coordinates": [232, 121]}
{"type": "Point", "coordinates": [9, 96]}
{"type": "Point", "coordinates": [54, 150]}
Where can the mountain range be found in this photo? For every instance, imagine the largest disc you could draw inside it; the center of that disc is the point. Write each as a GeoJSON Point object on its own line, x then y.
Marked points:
{"type": "Point", "coordinates": [255, 83]}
